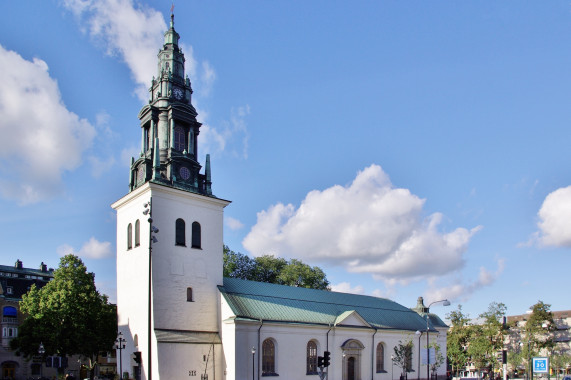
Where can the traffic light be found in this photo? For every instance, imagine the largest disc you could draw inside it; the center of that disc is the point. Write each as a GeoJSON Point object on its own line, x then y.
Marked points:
{"type": "Point", "coordinates": [326, 358]}
{"type": "Point", "coordinates": [320, 361]}
{"type": "Point", "coordinates": [137, 357]}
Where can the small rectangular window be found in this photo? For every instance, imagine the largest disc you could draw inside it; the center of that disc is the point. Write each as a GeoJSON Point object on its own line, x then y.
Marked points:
{"type": "Point", "coordinates": [9, 290]}
{"type": "Point", "coordinates": [189, 295]}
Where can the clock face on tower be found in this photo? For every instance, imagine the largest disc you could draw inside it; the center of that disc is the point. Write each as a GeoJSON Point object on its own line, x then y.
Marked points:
{"type": "Point", "coordinates": [177, 92]}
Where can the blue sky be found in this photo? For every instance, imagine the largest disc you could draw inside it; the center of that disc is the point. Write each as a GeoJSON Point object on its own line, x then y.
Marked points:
{"type": "Point", "coordinates": [407, 148]}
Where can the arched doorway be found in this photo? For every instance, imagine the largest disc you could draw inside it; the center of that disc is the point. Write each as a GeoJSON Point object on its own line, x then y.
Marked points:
{"type": "Point", "coordinates": [9, 370]}
{"type": "Point", "coordinates": [352, 349]}
{"type": "Point", "coordinates": [351, 368]}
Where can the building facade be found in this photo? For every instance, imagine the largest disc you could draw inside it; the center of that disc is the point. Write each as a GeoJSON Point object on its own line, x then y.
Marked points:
{"type": "Point", "coordinates": [15, 281]}
{"type": "Point", "coordinates": [181, 319]}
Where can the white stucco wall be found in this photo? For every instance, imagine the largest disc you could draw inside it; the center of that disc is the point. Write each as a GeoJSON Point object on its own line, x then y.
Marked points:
{"type": "Point", "coordinates": [175, 268]}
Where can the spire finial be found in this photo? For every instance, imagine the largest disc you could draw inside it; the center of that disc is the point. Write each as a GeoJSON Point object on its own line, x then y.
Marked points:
{"type": "Point", "coordinates": [172, 15]}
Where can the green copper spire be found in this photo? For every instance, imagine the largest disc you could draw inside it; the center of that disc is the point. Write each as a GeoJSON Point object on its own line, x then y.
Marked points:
{"type": "Point", "coordinates": [169, 129]}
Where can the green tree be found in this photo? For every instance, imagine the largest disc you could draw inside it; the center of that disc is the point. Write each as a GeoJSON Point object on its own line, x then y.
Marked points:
{"type": "Point", "coordinates": [238, 265]}
{"type": "Point", "coordinates": [457, 339]}
{"type": "Point", "coordinates": [439, 358]}
{"type": "Point", "coordinates": [403, 356]}
{"type": "Point", "coordinates": [488, 337]}
{"type": "Point", "coordinates": [275, 270]}
{"type": "Point", "coordinates": [539, 329]}
{"type": "Point", "coordinates": [68, 316]}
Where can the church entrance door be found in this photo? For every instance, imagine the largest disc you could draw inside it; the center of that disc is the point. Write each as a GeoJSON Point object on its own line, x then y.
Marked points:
{"type": "Point", "coordinates": [351, 368]}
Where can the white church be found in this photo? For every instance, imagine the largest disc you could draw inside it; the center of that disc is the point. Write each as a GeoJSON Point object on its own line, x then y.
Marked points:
{"type": "Point", "coordinates": [182, 320]}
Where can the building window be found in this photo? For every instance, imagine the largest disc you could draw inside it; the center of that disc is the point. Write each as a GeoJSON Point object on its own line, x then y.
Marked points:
{"type": "Point", "coordinates": [380, 358]}
{"type": "Point", "coordinates": [129, 236]}
{"type": "Point", "coordinates": [189, 295]}
{"type": "Point", "coordinates": [268, 358]}
{"type": "Point", "coordinates": [9, 290]}
{"type": "Point", "coordinates": [180, 232]}
{"type": "Point", "coordinates": [311, 357]}
{"type": "Point", "coordinates": [137, 233]}
{"type": "Point", "coordinates": [179, 139]}
{"type": "Point", "coordinates": [196, 235]}
{"type": "Point", "coordinates": [9, 332]}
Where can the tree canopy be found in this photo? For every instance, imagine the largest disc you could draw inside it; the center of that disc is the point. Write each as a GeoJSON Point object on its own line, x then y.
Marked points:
{"type": "Point", "coordinates": [68, 315]}
{"type": "Point", "coordinates": [274, 270]}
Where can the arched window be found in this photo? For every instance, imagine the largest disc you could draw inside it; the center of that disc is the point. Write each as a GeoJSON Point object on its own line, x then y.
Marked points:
{"type": "Point", "coordinates": [137, 233]}
{"type": "Point", "coordinates": [179, 139]}
{"type": "Point", "coordinates": [129, 236]}
{"type": "Point", "coordinates": [268, 357]}
{"type": "Point", "coordinates": [380, 358]}
{"type": "Point", "coordinates": [311, 357]}
{"type": "Point", "coordinates": [196, 235]}
{"type": "Point", "coordinates": [180, 232]}
{"type": "Point", "coordinates": [189, 295]}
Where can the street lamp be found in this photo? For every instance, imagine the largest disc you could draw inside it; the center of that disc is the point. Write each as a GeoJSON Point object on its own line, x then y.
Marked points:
{"type": "Point", "coordinates": [392, 365]}
{"type": "Point", "coordinates": [253, 362]}
{"type": "Point", "coordinates": [120, 344]}
{"type": "Point", "coordinates": [152, 239]}
{"type": "Point", "coordinates": [444, 303]}
{"type": "Point", "coordinates": [418, 334]}
{"type": "Point", "coordinates": [41, 351]}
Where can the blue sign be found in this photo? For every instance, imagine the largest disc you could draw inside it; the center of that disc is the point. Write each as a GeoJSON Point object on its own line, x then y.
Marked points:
{"type": "Point", "coordinates": [540, 365]}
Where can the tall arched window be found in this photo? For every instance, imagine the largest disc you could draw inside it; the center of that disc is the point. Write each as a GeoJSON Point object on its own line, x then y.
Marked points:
{"type": "Point", "coordinates": [180, 232]}
{"type": "Point", "coordinates": [311, 357]}
{"type": "Point", "coordinates": [268, 357]}
{"type": "Point", "coordinates": [137, 233]}
{"type": "Point", "coordinates": [380, 358]}
{"type": "Point", "coordinates": [196, 240]}
{"type": "Point", "coordinates": [179, 139]}
{"type": "Point", "coordinates": [129, 236]}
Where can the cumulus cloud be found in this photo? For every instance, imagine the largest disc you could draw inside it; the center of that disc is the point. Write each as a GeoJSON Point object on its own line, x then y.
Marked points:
{"type": "Point", "coordinates": [368, 226]}
{"type": "Point", "coordinates": [554, 216]}
{"type": "Point", "coordinates": [461, 290]}
{"type": "Point", "coordinates": [133, 33]}
{"type": "Point", "coordinates": [41, 138]}
{"type": "Point", "coordinates": [92, 249]}
{"type": "Point", "coordinates": [232, 133]}
{"type": "Point", "coordinates": [233, 224]}
{"type": "Point", "coordinates": [345, 287]}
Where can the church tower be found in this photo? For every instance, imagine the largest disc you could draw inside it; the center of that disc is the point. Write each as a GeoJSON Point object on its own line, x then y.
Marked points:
{"type": "Point", "coordinates": [169, 239]}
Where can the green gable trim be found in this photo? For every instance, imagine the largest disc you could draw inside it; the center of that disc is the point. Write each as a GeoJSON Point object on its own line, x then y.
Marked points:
{"type": "Point", "coordinates": [279, 303]}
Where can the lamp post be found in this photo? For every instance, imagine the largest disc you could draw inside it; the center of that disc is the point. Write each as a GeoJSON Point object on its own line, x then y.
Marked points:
{"type": "Point", "coordinates": [120, 344]}
{"type": "Point", "coordinates": [253, 362]}
{"type": "Point", "coordinates": [152, 239]}
{"type": "Point", "coordinates": [392, 366]}
{"type": "Point", "coordinates": [418, 333]}
{"type": "Point", "coordinates": [444, 303]}
{"type": "Point", "coordinates": [41, 351]}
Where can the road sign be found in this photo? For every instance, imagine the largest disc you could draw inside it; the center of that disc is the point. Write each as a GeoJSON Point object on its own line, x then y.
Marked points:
{"type": "Point", "coordinates": [540, 365]}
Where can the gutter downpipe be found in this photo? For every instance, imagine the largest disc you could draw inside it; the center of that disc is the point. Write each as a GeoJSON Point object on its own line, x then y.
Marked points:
{"type": "Point", "coordinates": [259, 352]}
{"type": "Point", "coordinates": [373, 355]}
{"type": "Point", "coordinates": [327, 345]}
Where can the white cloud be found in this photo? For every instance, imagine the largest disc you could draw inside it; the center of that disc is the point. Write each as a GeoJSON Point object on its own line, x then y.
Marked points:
{"type": "Point", "coordinates": [233, 224]}
{"type": "Point", "coordinates": [92, 249]}
{"type": "Point", "coordinates": [554, 215]}
{"type": "Point", "coordinates": [462, 290]}
{"type": "Point", "coordinates": [232, 134]}
{"type": "Point", "coordinates": [345, 287]}
{"type": "Point", "coordinates": [134, 33]}
{"type": "Point", "coordinates": [41, 139]}
{"type": "Point", "coordinates": [366, 227]}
